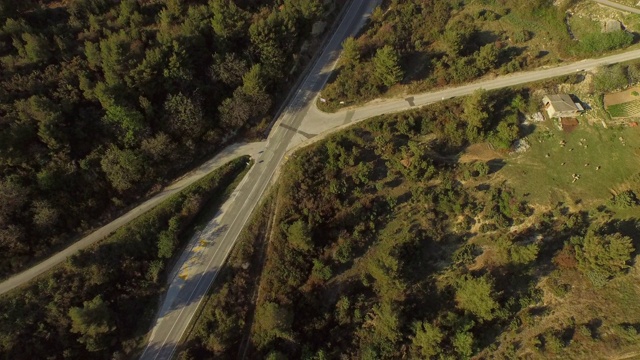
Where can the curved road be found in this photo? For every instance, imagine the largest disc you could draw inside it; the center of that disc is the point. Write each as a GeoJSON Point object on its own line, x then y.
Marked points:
{"type": "Point", "coordinates": [301, 121]}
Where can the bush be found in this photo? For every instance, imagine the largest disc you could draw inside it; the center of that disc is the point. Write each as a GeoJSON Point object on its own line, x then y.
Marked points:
{"type": "Point", "coordinates": [610, 78]}
{"type": "Point", "coordinates": [625, 199]}
{"type": "Point", "coordinates": [321, 271]}
{"type": "Point", "coordinates": [476, 295]}
{"type": "Point", "coordinates": [553, 343]}
{"type": "Point", "coordinates": [603, 256]}
{"type": "Point", "coordinates": [597, 43]}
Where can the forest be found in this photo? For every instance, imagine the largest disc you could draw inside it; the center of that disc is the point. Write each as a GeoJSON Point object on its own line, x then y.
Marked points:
{"type": "Point", "coordinates": [102, 102]}
{"type": "Point", "coordinates": [99, 304]}
{"type": "Point", "coordinates": [391, 241]}
{"type": "Point", "coordinates": [464, 40]}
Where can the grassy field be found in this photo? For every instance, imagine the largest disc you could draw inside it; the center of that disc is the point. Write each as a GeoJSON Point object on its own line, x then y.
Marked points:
{"type": "Point", "coordinates": [545, 170]}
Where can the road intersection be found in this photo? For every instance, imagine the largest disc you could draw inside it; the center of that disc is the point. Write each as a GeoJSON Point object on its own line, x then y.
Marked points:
{"type": "Point", "coordinates": [197, 269]}
{"type": "Point", "coordinates": [299, 124]}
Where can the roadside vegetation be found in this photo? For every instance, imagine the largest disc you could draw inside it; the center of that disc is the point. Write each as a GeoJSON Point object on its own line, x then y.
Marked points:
{"type": "Point", "coordinates": [99, 304]}
{"type": "Point", "coordinates": [226, 315]}
{"type": "Point", "coordinates": [427, 44]}
{"type": "Point", "coordinates": [420, 235]}
{"type": "Point", "coordinates": [104, 101]}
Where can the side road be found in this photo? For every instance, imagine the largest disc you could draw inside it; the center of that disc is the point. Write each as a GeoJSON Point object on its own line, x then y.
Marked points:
{"type": "Point", "coordinates": [316, 122]}
{"type": "Point", "coordinates": [223, 157]}
{"type": "Point", "coordinates": [615, 5]}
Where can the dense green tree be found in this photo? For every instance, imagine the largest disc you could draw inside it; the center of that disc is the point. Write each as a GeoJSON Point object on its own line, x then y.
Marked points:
{"type": "Point", "coordinates": [243, 108]}
{"type": "Point", "coordinates": [253, 81]}
{"type": "Point", "coordinates": [124, 168]}
{"type": "Point", "coordinates": [114, 54]}
{"type": "Point", "coordinates": [166, 244]}
{"type": "Point", "coordinates": [36, 48]}
{"type": "Point", "coordinates": [229, 21]}
{"type": "Point", "coordinates": [605, 255]}
{"type": "Point", "coordinates": [229, 69]}
{"type": "Point", "coordinates": [13, 197]}
{"type": "Point", "coordinates": [387, 66]}
{"type": "Point", "coordinates": [129, 123]}
{"type": "Point", "coordinates": [463, 344]}
{"type": "Point", "coordinates": [272, 38]}
{"type": "Point", "coordinates": [45, 215]}
{"type": "Point", "coordinates": [299, 236]}
{"type": "Point", "coordinates": [94, 322]}
{"type": "Point", "coordinates": [427, 339]}
{"type": "Point", "coordinates": [160, 148]}
{"type": "Point", "coordinates": [487, 57]}
{"type": "Point", "coordinates": [477, 108]}
{"type": "Point", "coordinates": [477, 296]}
{"type": "Point", "coordinates": [184, 116]}
{"type": "Point", "coordinates": [350, 56]}
{"type": "Point", "coordinates": [48, 117]}
{"type": "Point", "coordinates": [386, 326]}
{"type": "Point", "coordinates": [272, 321]}
{"type": "Point", "coordinates": [457, 37]}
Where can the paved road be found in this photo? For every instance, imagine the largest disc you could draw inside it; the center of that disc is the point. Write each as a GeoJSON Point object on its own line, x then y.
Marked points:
{"type": "Point", "coordinates": [294, 129]}
{"type": "Point", "coordinates": [618, 6]}
{"type": "Point", "coordinates": [301, 121]}
{"type": "Point", "coordinates": [223, 157]}
{"type": "Point", "coordinates": [320, 123]}
{"type": "Point", "coordinates": [199, 265]}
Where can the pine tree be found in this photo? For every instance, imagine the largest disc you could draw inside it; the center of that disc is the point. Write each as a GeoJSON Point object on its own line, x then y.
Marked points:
{"type": "Point", "coordinates": [387, 67]}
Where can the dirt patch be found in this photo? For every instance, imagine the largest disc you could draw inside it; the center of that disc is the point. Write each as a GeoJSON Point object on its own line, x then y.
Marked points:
{"type": "Point", "coordinates": [569, 124]}
{"type": "Point", "coordinates": [622, 96]}
{"type": "Point", "coordinates": [481, 152]}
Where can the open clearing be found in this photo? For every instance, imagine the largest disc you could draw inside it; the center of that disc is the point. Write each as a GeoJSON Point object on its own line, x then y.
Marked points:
{"type": "Point", "coordinates": [605, 160]}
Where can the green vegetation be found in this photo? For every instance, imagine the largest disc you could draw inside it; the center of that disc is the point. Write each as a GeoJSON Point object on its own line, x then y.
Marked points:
{"type": "Point", "coordinates": [599, 156]}
{"type": "Point", "coordinates": [402, 237]}
{"type": "Point", "coordinates": [597, 43]}
{"type": "Point", "coordinates": [451, 42]}
{"type": "Point", "coordinates": [104, 101]}
{"type": "Point", "coordinates": [227, 312]}
{"type": "Point", "coordinates": [627, 109]}
{"type": "Point", "coordinates": [614, 77]}
{"type": "Point", "coordinates": [99, 303]}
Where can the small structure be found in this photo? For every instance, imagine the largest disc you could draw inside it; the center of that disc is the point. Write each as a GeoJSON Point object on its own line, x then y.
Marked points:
{"type": "Point", "coordinates": [611, 25]}
{"type": "Point", "coordinates": [561, 105]}
{"type": "Point", "coordinates": [568, 125]}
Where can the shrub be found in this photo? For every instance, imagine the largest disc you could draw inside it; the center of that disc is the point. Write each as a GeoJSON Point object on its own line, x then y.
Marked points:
{"type": "Point", "coordinates": [603, 256]}
{"type": "Point", "coordinates": [610, 78]}
{"type": "Point", "coordinates": [625, 199]}
{"type": "Point", "coordinates": [553, 343]}
{"type": "Point", "coordinates": [320, 270]}
{"type": "Point", "coordinates": [299, 236]}
{"type": "Point", "coordinates": [476, 295]}
{"type": "Point", "coordinates": [596, 43]}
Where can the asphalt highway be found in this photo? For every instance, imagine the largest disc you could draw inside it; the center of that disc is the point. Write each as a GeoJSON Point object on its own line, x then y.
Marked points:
{"type": "Point", "coordinates": [199, 265]}
{"type": "Point", "coordinates": [301, 120]}
{"type": "Point", "coordinates": [226, 155]}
